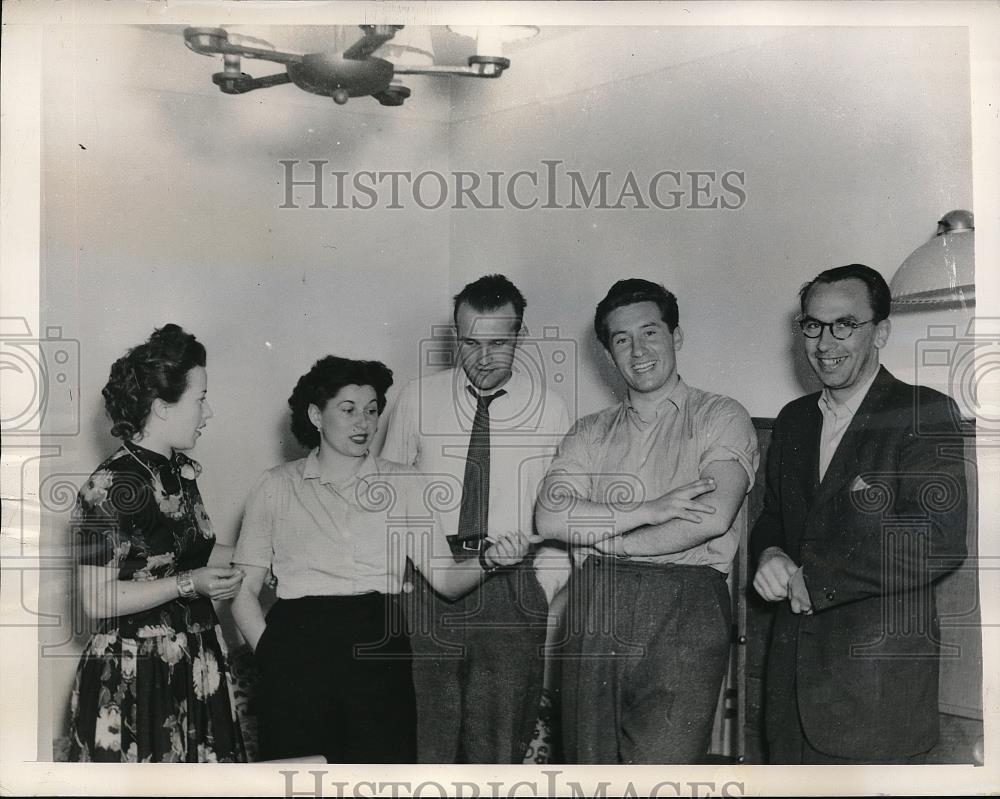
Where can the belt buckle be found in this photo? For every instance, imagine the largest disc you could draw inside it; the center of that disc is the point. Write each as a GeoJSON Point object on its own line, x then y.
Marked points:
{"type": "Point", "coordinates": [472, 544]}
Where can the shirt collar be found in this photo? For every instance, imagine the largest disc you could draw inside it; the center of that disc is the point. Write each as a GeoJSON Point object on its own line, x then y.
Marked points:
{"type": "Point", "coordinates": [511, 386]}
{"type": "Point", "coordinates": [676, 399]}
{"type": "Point", "coordinates": [188, 468]}
{"type": "Point", "coordinates": [148, 456]}
{"type": "Point", "coordinates": [827, 404]}
{"type": "Point", "coordinates": [314, 471]}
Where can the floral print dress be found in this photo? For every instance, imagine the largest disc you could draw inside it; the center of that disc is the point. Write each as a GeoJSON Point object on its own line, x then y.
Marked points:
{"type": "Point", "coordinates": [151, 686]}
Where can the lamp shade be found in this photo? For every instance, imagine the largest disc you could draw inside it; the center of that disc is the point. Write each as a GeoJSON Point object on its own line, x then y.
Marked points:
{"type": "Point", "coordinates": [941, 272]}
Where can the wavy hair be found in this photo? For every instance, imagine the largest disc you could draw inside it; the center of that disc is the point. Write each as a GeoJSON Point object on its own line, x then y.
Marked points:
{"type": "Point", "coordinates": [323, 382]}
{"type": "Point", "coordinates": [628, 292]}
{"type": "Point", "coordinates": [157, 369]}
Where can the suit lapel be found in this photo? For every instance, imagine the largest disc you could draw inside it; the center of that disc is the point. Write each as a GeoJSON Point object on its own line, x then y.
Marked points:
{"type": "Point", "coordinates": [845, 464]}
{"type": "Point", "coordinates": [807, 466]}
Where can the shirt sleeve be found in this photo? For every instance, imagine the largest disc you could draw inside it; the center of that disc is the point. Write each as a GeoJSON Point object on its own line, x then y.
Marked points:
{"type": "Point", "coordinates": [402, 438]}
{"type": "Point", "coordinates": [573, 465]}
{"type": "Point", "coordinates": [562, 420]}
{"type": "Point", "coordinates": [559, 424]}
{"type": "Point", "coordinates": [730, 437]}
{"type": "Point", "coordinates": [255, 546]}
{"type": "Point", "coordinates": [551, 434]}
{"type": "Point", "coordinates": [427, 543]}
{"type": "Point", "coordinates": [105, 519]}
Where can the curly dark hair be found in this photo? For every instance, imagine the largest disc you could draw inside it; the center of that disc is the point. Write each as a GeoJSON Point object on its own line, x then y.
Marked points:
{"type": "Point", "coordinates": [157, 369]}
{"type": "Point", "coordinates": [322, 383]}
{"type": "Point", "coordinates": [628, 292]}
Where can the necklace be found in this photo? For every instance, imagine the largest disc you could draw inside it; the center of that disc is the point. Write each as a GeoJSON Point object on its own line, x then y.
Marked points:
{"type": "Point", "coordinates": [139, 461]}
{"type": "Point", "coordinates": [187, 468]}
{"type": "Point", "coordinates": [163, 499]}
{"type": "Point", "coordinates": [143, 465]}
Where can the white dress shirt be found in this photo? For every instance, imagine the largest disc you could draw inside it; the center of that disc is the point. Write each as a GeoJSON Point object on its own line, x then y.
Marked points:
{"type": "Point", "coordinates": [429, 428]}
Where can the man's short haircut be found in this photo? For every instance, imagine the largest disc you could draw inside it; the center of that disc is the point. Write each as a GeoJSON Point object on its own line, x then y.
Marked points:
{"type": "Point", "coordinates": [879, 296]}
{"type": "Point", "coordinates": [490, 293]}
{"type": "Point", "coordinates": [629, 292]}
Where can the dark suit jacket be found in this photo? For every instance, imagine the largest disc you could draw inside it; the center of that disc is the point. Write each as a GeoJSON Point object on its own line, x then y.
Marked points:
{"type": "Point", "coordinates": [888, 518]}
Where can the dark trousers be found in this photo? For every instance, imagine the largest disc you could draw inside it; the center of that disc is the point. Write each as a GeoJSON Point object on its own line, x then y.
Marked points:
{"type": "Point", "coordinates": [643, 657]}
{"type": "Point", "coordinates": [336, 680]}
{"type": "Point", "coordinates": [477, 668]}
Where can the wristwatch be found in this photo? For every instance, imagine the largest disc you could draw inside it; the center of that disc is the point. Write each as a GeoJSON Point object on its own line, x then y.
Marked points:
{"type": "Point", "coordinates": [483, 562]}
{"type": "Point", "coordinates": [185, 586]}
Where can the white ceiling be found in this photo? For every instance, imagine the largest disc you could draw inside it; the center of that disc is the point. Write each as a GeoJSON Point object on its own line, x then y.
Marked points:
{"type": "Point", "coordinates": [449, 48]}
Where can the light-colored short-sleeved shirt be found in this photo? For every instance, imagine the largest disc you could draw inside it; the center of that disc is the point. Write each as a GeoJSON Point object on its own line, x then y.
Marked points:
{"type": "Point", "coordinates": [614, 456]}
{"type": "Point", "coordinates": [430, 429]}
{"type": "Point", "coordinates": [324, 538]}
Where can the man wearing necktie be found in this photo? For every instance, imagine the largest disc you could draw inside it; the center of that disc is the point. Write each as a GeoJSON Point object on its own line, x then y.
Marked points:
{"type": "Point", "coordinates": [865, 506]}
{"type": "Point", "coordinates": [484, 431]}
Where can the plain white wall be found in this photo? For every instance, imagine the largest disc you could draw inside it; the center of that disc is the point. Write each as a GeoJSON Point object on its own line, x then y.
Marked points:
{"type": "Point", "coordinates": [160, 203]}
{"type": "Point", "coordinates": [160, 200]}
{"type": "Point", "coordinates": [853, 141]}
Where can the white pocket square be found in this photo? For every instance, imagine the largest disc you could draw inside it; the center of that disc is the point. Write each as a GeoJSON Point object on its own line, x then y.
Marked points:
{"type": "Point", "coordinates": [859, 484]}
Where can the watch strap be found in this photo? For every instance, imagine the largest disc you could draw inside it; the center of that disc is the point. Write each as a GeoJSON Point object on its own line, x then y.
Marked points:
{"type": "Point", "coordinates": [185, 586]}
{"type": "Point", "coordinates": [484, 563]}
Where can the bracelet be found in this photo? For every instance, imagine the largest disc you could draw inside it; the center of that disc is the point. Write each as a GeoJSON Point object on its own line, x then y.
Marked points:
{"type": "Point", "coordinates": [486, 566]}
{"type": "Point", "coordinates": [185, 586]}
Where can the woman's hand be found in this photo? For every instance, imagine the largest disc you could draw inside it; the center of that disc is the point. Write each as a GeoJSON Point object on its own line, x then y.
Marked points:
{"type": "Point", "coordinates": [217, 582]}
{"type": "Point", "coordinates": [509, 548]}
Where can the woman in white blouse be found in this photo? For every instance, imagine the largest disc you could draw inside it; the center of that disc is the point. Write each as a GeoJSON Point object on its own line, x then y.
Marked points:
{"type": "Point", "coordinates": [337, 528]}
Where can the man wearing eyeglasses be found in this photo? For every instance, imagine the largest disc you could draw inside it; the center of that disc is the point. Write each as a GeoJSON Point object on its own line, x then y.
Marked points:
{"type": "Point", "coordinates": [865, 505]}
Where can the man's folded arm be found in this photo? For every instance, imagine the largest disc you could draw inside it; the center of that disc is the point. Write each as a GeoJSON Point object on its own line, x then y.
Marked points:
{"type": "Point", "coordinates": [561, 507]}
{"type": "Point", "coordinates": [677, 535]}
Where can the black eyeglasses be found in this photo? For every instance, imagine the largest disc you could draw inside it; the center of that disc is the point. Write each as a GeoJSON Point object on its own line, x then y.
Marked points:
{"type": "Point", "coordinates": [840, 328]}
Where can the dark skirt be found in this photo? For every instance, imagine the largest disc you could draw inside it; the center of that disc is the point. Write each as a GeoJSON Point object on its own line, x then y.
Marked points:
{"type": "Point", "coordinates": [336, 680]}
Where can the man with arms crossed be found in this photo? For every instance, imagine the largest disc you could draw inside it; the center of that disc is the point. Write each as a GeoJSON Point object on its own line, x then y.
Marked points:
{"type": "Point", "coordinates": [492, 428]}
{"type": "Point", "coordinates": [654, 485]}
{"type": "Point", "coordinates": [865, 505]}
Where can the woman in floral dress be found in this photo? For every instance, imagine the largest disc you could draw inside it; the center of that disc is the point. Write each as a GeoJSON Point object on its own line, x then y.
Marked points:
{"type": "Point", "coordinates": [152, 684]}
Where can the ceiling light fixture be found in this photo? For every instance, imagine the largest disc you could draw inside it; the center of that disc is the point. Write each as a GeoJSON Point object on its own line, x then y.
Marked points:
{"type": "Point", "coordinates": [491, 38]}
{"type": "Point", "coordinates": [355, 72]}
{"type": "Point", "coordinates": [410, 47]}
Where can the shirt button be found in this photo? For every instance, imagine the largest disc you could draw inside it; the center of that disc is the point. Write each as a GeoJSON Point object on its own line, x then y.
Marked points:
{"type": "Point", "coordinates": [830, 596]}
